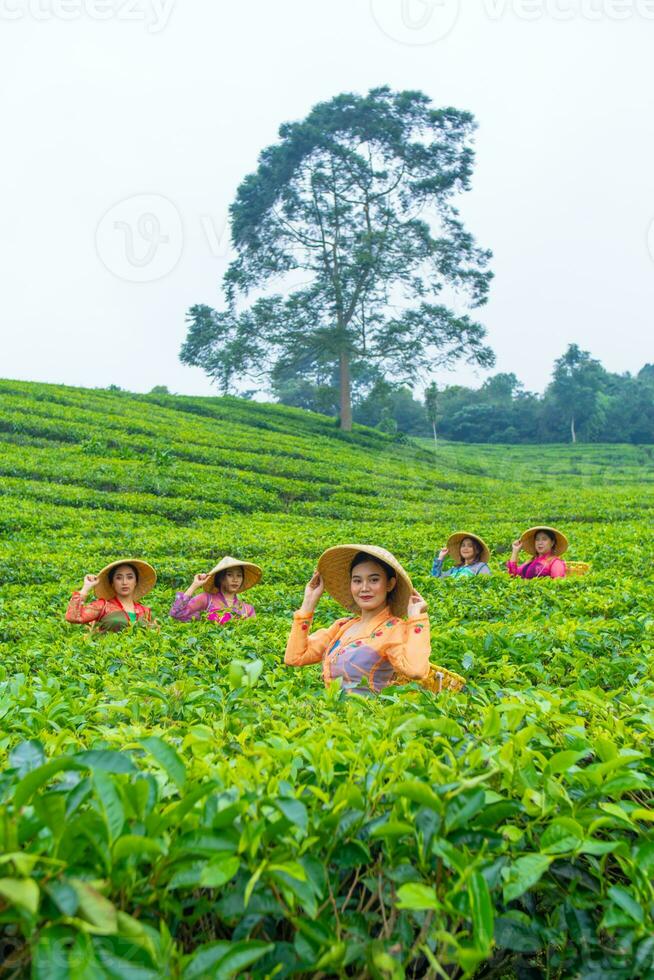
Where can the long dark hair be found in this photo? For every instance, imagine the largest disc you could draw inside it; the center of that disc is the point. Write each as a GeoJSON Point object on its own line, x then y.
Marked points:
{"type": "Point", "coordinates": [123, 564]}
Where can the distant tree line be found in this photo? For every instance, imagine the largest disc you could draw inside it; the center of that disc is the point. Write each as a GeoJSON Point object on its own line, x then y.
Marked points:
{"type": "Point", "coordinates": [583, 402]}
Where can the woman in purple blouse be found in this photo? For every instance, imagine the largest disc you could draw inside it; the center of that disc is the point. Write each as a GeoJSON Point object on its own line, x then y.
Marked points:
{"type": "Point", "coordinates": [219, 599]}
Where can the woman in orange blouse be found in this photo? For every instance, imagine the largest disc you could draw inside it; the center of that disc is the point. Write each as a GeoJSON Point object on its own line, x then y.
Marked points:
{"type": "Point", "coordinates": [370, 649]}
{"type": "Point", "coordinates": [117, 587]}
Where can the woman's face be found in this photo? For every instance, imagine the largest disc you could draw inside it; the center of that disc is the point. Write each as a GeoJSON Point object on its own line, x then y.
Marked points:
{"type": "Point", "coordinates": [467, 549]}
{"type": "Point", "coordinates": [542, 543]}
{"type": "Point", "coordinates": [232, 580]}
{"type": "Point", "coordinates": [124, 582]}
{"type": "Point", "coordinates": [370, 586]}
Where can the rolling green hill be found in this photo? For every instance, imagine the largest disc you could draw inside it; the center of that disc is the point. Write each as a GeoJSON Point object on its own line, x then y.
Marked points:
{"type": "Point", "coordinates": [168, 819]}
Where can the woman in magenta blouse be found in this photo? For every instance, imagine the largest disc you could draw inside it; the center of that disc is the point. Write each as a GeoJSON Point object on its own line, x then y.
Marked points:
{"type": "Point", "coordinates": [219, 600]}
{"type": "Point", "coordinates": [545, 545]}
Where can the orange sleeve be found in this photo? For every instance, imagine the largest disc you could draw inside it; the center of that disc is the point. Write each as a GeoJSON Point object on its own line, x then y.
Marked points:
{"type": "Point", "coordinates": [77, 612]}
{"type": "Point", "coordinates": [409, 646]}
{"type": "Point", "coordinates": [303, 648]}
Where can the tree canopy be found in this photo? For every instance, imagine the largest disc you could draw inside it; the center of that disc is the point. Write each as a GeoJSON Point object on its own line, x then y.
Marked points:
{"type": "Point", "coordinates": [348, 235]}
{"type": "Point", "coordinates": [575, 387]}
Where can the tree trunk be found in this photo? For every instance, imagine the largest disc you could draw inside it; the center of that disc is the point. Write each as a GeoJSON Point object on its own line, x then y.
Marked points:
{"type": "Point", "coordinates": [433, 425]}
{"type": "Point", "coordinates": [572, 429]}
{"type": "Point", "coordinates": [345, 392]}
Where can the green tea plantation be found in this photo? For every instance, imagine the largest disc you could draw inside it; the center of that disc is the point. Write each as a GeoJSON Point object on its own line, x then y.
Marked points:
{"type": "Point", "coordinates": [174, 802]}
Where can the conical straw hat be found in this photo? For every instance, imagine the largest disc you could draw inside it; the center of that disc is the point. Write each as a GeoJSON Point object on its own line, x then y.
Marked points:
{"type": "Point", "coordinates": [528, 540]}
{"type": "Point", "coordinates": [334, 566]}
{"type": "Point", "coordinates": [454, 542]}
{"type": "Point", "coordinates": [146, 578]}
{"type": "Point", "coordinates": [251, 573]}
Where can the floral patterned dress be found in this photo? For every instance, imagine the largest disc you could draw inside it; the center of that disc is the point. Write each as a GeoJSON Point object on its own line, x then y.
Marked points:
{"type": "Point", "coordinates": [212, 604]}
{"type": "Point", "coordinates": [106, 615]}
{"type": "Point", "coordinates": [366, 664]}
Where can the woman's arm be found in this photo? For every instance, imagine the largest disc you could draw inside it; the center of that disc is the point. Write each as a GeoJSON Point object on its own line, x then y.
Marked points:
{"type": "Point", "coordinates": [305, 648]}
{"type": "Point", "coordinates": [512, 563]}
{"type": "Point", "coordinates": [483, 569]}
{"type": "Point", "coordinates": [409, 647]}
{"type": "Point", "coordinates": [185, 608]}
{"type": "Point", "coordinates": [78, 612]}
{"type": "Point", "coordinates": [557, 568]}
{"type": "Point", "coordinates": [437, 567]}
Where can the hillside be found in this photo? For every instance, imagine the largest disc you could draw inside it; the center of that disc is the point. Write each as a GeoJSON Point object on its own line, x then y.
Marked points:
{"type": "Point", "coordinates": [521, 807]}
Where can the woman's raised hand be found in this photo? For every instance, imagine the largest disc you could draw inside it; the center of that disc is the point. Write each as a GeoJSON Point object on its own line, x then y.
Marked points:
{"type": "Point", "coordinates": [312, 592]}
{"type": "Point", "coordinates": [90, 582]}
{"type": "Point", "coordinates": [197, 583]}
{"type": "Point", "coordinates": [517, 546]}
{"type": "Point", "coordinates": [443, 553]}
{"type": "Point", "coordinates": [417, 605]}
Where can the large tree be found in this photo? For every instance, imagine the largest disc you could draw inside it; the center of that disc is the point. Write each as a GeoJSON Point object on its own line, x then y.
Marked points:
{"type": "Point", "coordinates": [348, 234]}
{"type": "Point", "coordinates": [575, 387]}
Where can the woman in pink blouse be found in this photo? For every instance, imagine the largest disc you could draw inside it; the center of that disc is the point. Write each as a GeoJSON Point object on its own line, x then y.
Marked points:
{"type": "Point", "coordinates": [546, 545]}
{"type": "Point", "coordinates": [219, 599]}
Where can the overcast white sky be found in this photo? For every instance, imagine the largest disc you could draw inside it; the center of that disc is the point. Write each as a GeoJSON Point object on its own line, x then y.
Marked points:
{"type": "Point", "coordinates": [114, 105]}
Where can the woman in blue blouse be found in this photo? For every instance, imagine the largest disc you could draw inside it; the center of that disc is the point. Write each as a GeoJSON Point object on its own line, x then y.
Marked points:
{"type": "Point", "coordinates": [469, 553]}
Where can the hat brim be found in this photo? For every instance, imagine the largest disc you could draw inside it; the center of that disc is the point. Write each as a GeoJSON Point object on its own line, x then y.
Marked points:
{"type": "Point", "coordinates": [334, 567]}
{"type": "Point", "coordinates": [528, 540]}
{"type": "Point", "coordinates": [251, 574]}
{"type": "Point", "coordinates": [454, 545]}
{"type": "Point", "coordinates": [147, 578]}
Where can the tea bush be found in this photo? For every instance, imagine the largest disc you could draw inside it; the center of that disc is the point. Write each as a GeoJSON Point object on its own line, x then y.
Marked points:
{"type": "Point", "coordinates": [176, 803]}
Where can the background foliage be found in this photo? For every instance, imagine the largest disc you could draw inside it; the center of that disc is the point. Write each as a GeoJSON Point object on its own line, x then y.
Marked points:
{"type": "Point", "coordinates": [175, 802]}
{"type": "Point", "coordinates": [606, 407]}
